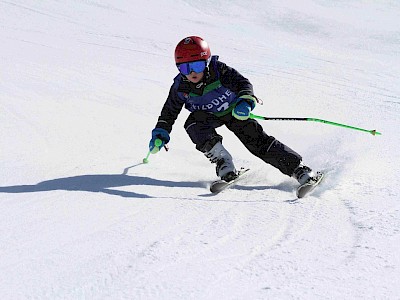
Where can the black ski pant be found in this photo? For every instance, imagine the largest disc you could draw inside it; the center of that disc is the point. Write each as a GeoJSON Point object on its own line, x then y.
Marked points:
{"type": "Point", "coordinates": [201, 126]}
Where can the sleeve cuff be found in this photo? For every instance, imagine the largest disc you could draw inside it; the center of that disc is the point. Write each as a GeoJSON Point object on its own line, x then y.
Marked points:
{"type": "Point", "coordinates": [251, 100]}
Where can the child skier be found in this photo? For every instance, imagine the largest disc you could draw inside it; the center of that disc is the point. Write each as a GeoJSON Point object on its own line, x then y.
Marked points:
{"type": "Point", "coordinates": [217, 95]}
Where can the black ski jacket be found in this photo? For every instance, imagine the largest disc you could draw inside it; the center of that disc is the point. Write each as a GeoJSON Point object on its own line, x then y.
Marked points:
{"type": "Point", "coordinates": [228, 77]}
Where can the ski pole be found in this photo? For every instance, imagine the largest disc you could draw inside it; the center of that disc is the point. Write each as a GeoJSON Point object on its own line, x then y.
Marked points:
{"type": "Point", "coordinates": [373, 132]}
{"type": "Point", "coordinates": [157, 143]}
{"type": "Point", "coordinates": [146, 159]}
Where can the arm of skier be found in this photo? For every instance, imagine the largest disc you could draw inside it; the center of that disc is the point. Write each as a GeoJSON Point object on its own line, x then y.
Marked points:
{"type": "Point", "coordinates": [242, 87]}
{"type": "Point", "coordinates": [169, 113]}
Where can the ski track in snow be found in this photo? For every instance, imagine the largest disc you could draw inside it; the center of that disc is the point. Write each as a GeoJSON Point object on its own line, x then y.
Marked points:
{"type": "Point", "coordinates": [81, 217]}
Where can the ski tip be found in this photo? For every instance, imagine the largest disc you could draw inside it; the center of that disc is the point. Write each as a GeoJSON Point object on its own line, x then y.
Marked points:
{"type": "Point", "coordinates": [374, 132]}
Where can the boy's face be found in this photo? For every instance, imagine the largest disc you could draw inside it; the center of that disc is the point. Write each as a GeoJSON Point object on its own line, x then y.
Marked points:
{"type": "Point", "coordinates": [195, 77]}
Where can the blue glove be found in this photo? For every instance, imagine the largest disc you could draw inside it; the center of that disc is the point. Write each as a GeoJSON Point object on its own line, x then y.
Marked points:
{"type": "Point", "coordinates": [160, 137]}
{"type": "Point", "coordinates": [242, 111]}
{"type": "Point", "coordinates": [243, 107]}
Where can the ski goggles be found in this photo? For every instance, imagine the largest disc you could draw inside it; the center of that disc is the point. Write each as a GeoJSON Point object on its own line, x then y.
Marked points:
{"type": "Point", "coordinates": [195, 66]}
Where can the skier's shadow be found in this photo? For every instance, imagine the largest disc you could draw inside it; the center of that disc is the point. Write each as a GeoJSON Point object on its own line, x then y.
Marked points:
{"type": "Point", "coordinates": [98, 184]}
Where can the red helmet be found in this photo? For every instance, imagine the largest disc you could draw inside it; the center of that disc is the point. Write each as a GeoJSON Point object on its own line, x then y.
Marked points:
{"type": "Point", "coordinates": [192, 48]}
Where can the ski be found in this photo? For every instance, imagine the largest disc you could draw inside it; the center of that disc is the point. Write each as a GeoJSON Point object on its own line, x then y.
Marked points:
{"type": "Point", "coordinates": [220, 185]}
{"type": "Point", "coordinates": [306, 188]}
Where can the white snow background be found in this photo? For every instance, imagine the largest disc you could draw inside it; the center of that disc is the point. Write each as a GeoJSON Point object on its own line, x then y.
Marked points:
{"type": "Point", "coordinates": [82, 83]}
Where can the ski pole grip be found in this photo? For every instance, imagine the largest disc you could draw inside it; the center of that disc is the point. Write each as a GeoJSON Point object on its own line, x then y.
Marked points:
{"type": "Point", "coordinates": [158, 142]}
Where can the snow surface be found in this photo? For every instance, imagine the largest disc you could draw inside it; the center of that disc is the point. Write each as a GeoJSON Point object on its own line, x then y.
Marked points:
{"type": "Point", "coordinates": [82, 84]}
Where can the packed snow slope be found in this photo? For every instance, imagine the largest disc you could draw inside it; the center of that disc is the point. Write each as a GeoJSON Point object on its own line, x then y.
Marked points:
{"type": "Point", "coordinates": [82, 84]}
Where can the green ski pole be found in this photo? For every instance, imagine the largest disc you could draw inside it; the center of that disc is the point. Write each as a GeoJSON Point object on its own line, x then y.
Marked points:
{"type": "Point", "coordinates": [373, 132]}
{"type": "Point", "coordinates": [157, 143]}
{"type": "Point", "coordinates": [146, 159]}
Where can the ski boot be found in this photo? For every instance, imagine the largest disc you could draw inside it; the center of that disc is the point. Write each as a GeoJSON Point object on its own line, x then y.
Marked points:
{"type": "Point", "coordinates": [308, 180]}
{"type": "Point", "coordinates": [303, 173]}
{"type": "Point", "coordinates": [225, 168]}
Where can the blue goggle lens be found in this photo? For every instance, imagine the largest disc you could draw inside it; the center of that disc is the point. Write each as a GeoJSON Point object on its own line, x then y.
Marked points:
{"type": "Point", "coordinates": [196, 66]}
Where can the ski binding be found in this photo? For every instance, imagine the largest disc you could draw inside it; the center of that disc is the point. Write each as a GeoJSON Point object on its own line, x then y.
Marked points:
{"type": "Point", "coordinates": [220, 185]}
{"type": "Point", "coordinates": [306, 188]}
